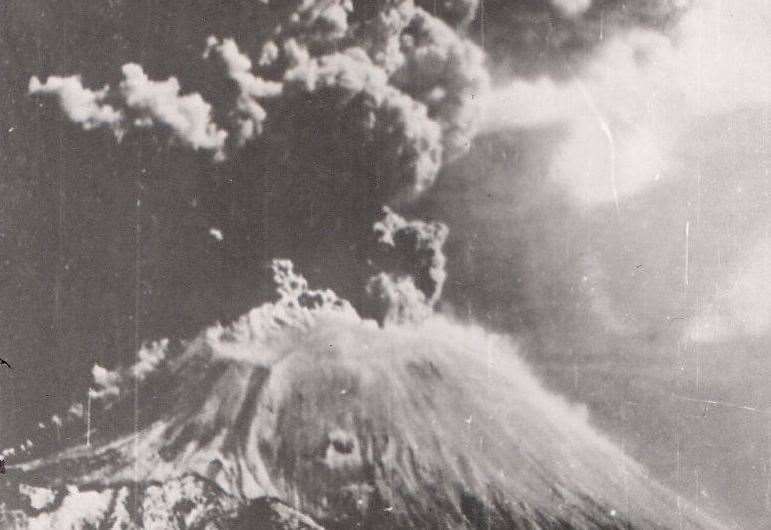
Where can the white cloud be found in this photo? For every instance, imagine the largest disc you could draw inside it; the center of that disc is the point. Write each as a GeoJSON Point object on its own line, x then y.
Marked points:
{"type": "Point", "coordinates": [160, 103]}
{"type": "Point", "coordinates": [143, 103]}
{"type": "Point", "coordinates": [80, 104]}
{"type": "Point", "coordinates": [39, 498]}
{"type": "Point", "coordinates": [249, 113]}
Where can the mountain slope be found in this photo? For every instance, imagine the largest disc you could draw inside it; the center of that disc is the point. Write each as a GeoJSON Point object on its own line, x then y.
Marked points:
{"type": "Point", "coordinates": [429, 425]}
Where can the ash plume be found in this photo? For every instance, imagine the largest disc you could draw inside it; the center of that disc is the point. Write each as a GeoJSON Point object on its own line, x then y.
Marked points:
{"type": "Point", "coordinates": [405, 83]}
{"type": "Point", "coordinates": [367, 113]}
{"type": "Point", "coordinates": [159, 104]}
{"type": "Point", "coordinates": [411, 256]}
{"type": "Point", "coordinates": [295, 295]}
{"type": "Point", "coordinates": [109, 384]}
{"type": "Point", "coordinates": [296, 306]}
{"type": "Point", "coordinates": [81, 105]}
{"type": "Point", "coordinates": [142, 103]}
{"type": "Point", "coordinates": [249, 114]}
{"type": "Point", "coordinates": [442, 70]}
{"type": "Point", "coordinates": [337, 109]}
{"type": "Point", "coordinates": [297, 136]}
{"type": "Point", "coordinates": [395, 299]}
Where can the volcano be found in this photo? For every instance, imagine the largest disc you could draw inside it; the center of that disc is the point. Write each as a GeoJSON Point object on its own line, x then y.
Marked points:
{"type": "Point", "coordinates": [308, 414]}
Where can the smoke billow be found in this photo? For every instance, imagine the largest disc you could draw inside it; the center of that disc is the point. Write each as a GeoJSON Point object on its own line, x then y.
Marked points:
{"type": "Point", "coordinates": [400, 85]}
{"type": "Point", "coordinates": [142, 103]}
{"type": "Point", "coordinates": [346, 107]}
{"type": "Point", "coordinates": [395, 299]}
{"type": "Point", "coordinates": [110, 383]}
{"type": "Point", "coordinates": [81, 105]}
{"type": "Point", "coordinates": [411, 253]}
{"type": "Point", "coordinates": [446, 73]}
{"type": "Point", "coordinates": [248, 113]}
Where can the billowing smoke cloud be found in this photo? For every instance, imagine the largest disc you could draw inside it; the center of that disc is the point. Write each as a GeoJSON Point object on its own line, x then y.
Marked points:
{"type": "Point", "coordinates": [414, 248]}
{"type": "Point", "coordinates": [446, 73]}
{"type": "Point", "coordinates": [108, 384]}
{"type": "Point", "coordinates": [159, 103]}
{"type": "Point", "coordinates": [398, 85]}
{"type": "Point", "coordinates": [409, 149]}
{"type": "Point", "coordinates": [81, 105]}
{"type": "Point", "coordinates": [406, 85]}
{"type": "Point", "coordinates": [143, 103]}
{"type": "Point", "coordinates": [410, 253]}
{"type": "Point", "coordinates": [396, 300]}
{"type": "Point", "coordinates": [296, 306]}
{"type": "Point", "coordinates": [317, 25]}
{"type": "Point", "coordinates": [294, 292]}
{"type": "Point", "coordinates": [345, 107]}
{"type": "Point", "coordinates": [248, 114]}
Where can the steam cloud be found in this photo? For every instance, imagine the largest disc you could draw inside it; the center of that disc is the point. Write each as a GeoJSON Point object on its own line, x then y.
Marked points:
{"type": "Point", "coordinates": [248, 114]}
{"type": "Point", "coordinates": [110, 383]}
{"type": "Point", "coordinates": [296, 307]}
{"type": "Point", "coordinates": [626, 103]}
{"type": "Point", "coordinates": [158, 103]}
{"type": "Point", "coordinates": [81, 105]}
{"type": "Point", "coordinates": [143, 103]}
{"type": "Point", "coordinates": [396, 300]}
{"type": "Point", "coordinates": [411, 252]}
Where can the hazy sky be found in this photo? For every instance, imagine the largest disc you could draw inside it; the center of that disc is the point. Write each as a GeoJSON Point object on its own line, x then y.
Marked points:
{"type": "Point", "coordinates": [632, 198]}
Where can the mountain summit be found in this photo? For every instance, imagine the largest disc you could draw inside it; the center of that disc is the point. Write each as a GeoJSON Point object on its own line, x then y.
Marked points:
{"type": "Point", "coordinates": [419, 425]}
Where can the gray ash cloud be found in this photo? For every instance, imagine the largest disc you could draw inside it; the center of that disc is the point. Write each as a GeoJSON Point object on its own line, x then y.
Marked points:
{"type": "Point", "coordinates": [410, 254]}
{"type": "Point", "coordinates": [401, 87]}
{"type": "Point", "coordinates": [339, 109]}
